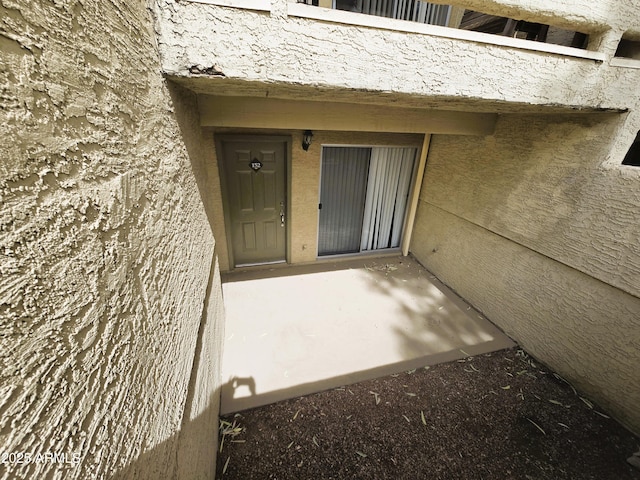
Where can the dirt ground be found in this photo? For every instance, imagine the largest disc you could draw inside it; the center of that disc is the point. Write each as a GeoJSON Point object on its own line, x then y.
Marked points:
{"type": "Point", "coordinates": [495, 416]}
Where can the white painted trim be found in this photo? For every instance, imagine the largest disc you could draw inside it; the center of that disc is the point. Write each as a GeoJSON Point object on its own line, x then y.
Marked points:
{"type": "Point", "coordinates": [350, 18]}
{"type": "Point", "coordinates": [625, 62]}
{"type": "Point", "coordinates": [261, 5]}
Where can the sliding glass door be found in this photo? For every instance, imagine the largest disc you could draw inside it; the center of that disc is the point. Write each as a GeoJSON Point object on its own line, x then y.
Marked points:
{"type": "Point", "coordinates": [363, 198]}
{"type": "Point", "coordinates": [342, 194]}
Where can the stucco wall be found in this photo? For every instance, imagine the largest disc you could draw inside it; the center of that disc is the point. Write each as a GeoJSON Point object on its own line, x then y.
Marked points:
{"type": "Point", "coordinates": [538, 227]}
{"type": "Point", "coordinates": [199, 430]}
{"type": "Point", "coordinates": [105, 251]}
{"type": "Point", "coordinates": [304, 179]}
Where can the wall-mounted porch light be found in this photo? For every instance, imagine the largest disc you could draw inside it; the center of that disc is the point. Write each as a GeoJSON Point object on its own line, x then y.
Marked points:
{"type": "Point", "coordinates": [306, 139]}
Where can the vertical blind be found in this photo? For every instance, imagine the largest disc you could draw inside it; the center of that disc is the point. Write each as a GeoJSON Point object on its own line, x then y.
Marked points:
{"type": "Point", "coordinates": [413, 10]}
{"type": "Point", "coordinates": [387, 190]}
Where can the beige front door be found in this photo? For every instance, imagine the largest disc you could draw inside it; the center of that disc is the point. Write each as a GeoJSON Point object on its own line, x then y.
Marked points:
{"type": "Point", "coordinates": [255, 180]}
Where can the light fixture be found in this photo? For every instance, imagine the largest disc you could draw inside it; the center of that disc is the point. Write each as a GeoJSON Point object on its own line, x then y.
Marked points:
{"type": "Point", "coordinates": [306, 139]}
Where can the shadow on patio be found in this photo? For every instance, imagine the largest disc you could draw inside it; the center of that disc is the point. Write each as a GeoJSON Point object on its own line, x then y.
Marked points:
{"type": "Point", "coordinates": [292, 331]}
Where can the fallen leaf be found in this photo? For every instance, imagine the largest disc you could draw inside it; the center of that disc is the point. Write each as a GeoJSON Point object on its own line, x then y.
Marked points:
{"type": "Point", "coordinates": [587, 402]}
{"type": "Point", "coordinates": [536, 425]}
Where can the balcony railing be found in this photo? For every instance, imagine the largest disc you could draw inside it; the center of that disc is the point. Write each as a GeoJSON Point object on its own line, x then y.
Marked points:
{"type": "Point", "coordinates": [457, 17]}
{"type": "Point", "coordinates": [412, 10]}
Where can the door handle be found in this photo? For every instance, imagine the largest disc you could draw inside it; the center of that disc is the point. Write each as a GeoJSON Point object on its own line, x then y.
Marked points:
{"type": "Point", "coordinates": [282, 214]}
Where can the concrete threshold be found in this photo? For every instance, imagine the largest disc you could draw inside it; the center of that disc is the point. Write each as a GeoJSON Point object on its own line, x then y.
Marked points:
{"type": "Point", "coordinates": [303, 329]}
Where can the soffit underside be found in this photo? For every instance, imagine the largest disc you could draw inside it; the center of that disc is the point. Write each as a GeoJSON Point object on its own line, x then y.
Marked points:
{"type": "Point", "coordinates": [222, 86]}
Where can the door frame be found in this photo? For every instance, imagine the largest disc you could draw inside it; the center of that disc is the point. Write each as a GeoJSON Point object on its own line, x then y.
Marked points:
{"type": "Point", "coordinates": [220, 139]}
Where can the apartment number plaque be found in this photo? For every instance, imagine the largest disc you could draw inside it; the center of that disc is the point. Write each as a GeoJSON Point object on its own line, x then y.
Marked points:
{"type": "Point", "coordinates": [255, 164]}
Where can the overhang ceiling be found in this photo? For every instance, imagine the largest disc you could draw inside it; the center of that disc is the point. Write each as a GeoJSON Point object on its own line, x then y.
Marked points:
{"type": "Point", "coordinates": [203, 84]}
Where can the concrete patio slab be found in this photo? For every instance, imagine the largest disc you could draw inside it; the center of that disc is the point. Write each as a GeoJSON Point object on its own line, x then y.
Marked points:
{"type": "Point", "coordinates": [295, 330]}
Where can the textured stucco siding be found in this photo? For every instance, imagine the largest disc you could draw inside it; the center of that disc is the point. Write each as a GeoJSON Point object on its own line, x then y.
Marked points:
{"type": "Point", "coordinates": [198, 435]}
{"type": "Point", "coordinates": [538, 227]}
{"type": "Point", "coordinates": [263, 47]}
{"type": "Point", "coordinates": [584, 329]}
{"type": "Point", "coordinates": [197, 451]}
{"type": "Point", "coordinates": [105, 249]}
{"type": "Point", "coordinates": [539, 181]}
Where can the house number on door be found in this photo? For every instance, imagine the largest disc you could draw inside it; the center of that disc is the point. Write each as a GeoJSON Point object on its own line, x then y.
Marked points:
{"type": "Point", "coordinates": [255, 164]}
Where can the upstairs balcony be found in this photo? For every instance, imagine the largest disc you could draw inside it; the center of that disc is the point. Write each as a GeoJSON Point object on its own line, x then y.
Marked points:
{"type": "Point", "coordinates": [402, 52]}
{"type": "Point", "coordinates": [458, 17]}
